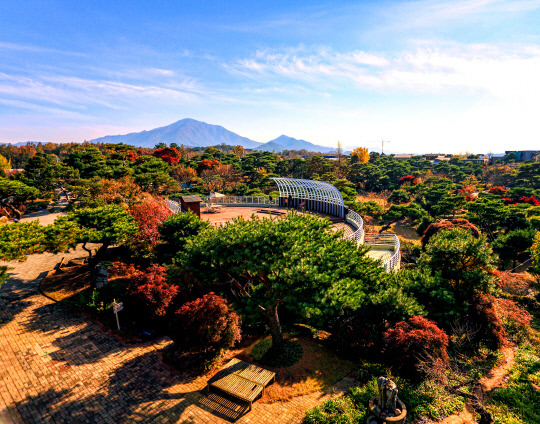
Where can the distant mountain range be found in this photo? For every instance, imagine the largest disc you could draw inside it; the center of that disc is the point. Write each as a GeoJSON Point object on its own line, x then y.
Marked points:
{"type": "Point", "coordinates": [192, 133]}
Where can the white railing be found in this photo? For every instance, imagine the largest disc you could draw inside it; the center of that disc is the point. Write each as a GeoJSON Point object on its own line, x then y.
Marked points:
{"type": "Point", "coordinates": [381, 240]}
{"type": "Point", "coordinates": [358, 236]}
{"type": "Point", "coordinates": [174, 206]}
{"type": "Point", "coordinates": [243, 200]}
{"type": "Point", "coordinates": [356, 221]}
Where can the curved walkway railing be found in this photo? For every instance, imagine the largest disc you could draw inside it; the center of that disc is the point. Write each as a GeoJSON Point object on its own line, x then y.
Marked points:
{"type": "Point", "coordinates": [356, 221]}
{"type": "Point", "coordinates": [386, 240]}
{"type": "Point", "coordinates": [174, 206]}
{"type": "Point", "coordinates": [243, 200]}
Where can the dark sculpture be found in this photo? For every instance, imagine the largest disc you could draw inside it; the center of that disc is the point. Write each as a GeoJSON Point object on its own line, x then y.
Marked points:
{"type": "Point", "coordinates": [386, 406]}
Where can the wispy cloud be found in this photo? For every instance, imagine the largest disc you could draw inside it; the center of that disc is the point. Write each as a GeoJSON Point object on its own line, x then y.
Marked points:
{"type": "Point", "coordinates": [76, 93]}
{"type": "Point", "coordinates": [431, 67]}
{"type": "Point", "coordinates": [36, 49]}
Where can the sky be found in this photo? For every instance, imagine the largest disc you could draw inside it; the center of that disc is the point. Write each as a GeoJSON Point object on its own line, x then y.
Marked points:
{"type": "Point", "coordinates": [428, 76]}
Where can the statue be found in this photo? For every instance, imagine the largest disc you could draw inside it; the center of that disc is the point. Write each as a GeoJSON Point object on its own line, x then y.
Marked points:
{"type": "Point", "coordinates": [386, 406]}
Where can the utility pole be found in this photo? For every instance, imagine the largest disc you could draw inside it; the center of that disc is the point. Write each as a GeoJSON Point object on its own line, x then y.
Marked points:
{"type": "Point", "coordinates": [382, 144]}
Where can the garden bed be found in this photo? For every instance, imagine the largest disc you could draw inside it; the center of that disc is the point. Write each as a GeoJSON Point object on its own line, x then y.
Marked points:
{"type": "Point", "coordinates": [318, 369]}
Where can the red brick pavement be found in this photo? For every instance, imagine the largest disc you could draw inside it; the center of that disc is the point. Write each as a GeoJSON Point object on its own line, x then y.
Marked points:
{"type": "Point", "coordinates": [58, 367]}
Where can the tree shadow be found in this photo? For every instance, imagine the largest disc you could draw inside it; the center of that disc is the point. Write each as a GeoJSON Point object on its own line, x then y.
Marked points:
{"type": "Point", "coordinates": [14, 294]}
{"type": "Point", "coordinates": [142, 389]}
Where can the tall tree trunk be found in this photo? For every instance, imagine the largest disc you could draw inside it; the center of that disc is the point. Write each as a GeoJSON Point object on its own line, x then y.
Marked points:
{"type": "Point", "coordinates": [93, 261]}
{"type": "Point", "coordinates": [275, 328]}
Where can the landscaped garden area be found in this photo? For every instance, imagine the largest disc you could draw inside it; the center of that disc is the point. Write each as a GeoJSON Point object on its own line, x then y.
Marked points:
{"type": "Point", "coordinates": [288, 293]}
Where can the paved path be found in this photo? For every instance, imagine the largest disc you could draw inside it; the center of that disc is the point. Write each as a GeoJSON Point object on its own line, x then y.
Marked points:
{"type": "Point", "coordinates": [56, 366]}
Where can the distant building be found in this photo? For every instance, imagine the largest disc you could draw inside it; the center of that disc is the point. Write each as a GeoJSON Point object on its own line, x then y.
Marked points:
{"type": "Point", "coordinates": [523, 155]}
{"type": "Point", "coordinates": [436, 158]}
{"type": "Point", "coordinates": [403, 157]}
{"type": "Point", "coordinates": [332, 157]}
{"type": "Point", "coordinates": [482, 161]}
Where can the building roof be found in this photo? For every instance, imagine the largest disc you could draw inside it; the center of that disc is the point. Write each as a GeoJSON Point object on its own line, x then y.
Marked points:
{"type": "Point", "coordinates": [191, 199]}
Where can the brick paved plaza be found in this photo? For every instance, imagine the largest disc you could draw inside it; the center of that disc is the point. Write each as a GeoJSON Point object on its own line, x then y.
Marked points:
{"type": "Point", "coordinates": [57, 366]}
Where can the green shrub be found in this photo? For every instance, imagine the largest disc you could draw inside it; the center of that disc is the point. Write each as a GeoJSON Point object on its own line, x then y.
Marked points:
{"type": "Point", "coordinates": [290, 355]}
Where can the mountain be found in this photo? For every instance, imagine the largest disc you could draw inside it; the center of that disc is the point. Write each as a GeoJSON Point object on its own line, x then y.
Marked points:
{"type": "Point", "coordinates": [189, 132]}
{"type": "Point", "coordinates": [284, 142]}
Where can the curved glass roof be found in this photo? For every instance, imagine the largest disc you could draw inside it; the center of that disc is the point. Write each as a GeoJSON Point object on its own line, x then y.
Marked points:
{"type": "Point", "coordinates": [309, 190]}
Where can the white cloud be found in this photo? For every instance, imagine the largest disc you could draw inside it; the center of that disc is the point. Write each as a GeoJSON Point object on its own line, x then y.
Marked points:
{"type": "Point", "coordinates": [430, 68]}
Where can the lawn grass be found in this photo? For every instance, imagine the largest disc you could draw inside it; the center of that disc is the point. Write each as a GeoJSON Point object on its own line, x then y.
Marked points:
{"type": "Point", "coordinates": [318, 369]}
{"type": "Point", "coordinates": [519, 401]}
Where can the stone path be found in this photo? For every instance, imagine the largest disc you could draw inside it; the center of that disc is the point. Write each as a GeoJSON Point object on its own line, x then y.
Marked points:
{"type": "Point", "coordinates": [56, 366]}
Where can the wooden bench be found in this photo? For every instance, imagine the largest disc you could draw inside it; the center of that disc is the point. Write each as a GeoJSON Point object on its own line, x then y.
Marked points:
{"type": "Point", "coordinates": [242, 380]}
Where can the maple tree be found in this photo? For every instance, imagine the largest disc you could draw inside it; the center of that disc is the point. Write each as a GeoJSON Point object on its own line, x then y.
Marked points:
{"type": "Point", "coordinates": [207, 324]}
{"type": "Point", "coordinates": [409, 341]}
{"type": "Point", "coordinates": [149, 215]}
{"type": "Point", "coordinates": [150, 293]}
{"type": "Point", "coordinates": [168, 154]}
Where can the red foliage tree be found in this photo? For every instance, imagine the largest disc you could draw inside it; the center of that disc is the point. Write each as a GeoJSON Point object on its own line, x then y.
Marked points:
{"type": "Point", "coordinates": [207, 164]}
{"type": "Point", "coordinates": [149, 215]}
{"type": "Point", "coordinates": [409, 179]}
{"type": "Point", "coordinates": [498, 190]}
{"type": "Point", "coordinates": [168, 154]}
{"type": "Point", "coordinates": [207, 324]}
{"type": "Point", "coordinates": [515, 283]}
{"type": "Point", "coordinates": [448, 224]}
{"type": "Point", "coordinates": [515, 318]}
{"type": "Point", "coordinates": [485, 317]}
{"type": "Point", "coordinates": [469, 194]}
{"type": "Point", "coordinates": [150, 293]}
{"type": "Point", "coordinates": [411, 341]}
{"type": "Point", "coordinates": [531, 200]}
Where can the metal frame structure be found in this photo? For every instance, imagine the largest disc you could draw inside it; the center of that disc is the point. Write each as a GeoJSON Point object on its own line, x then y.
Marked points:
{"type": "Point", "coordinates": [312, 195]}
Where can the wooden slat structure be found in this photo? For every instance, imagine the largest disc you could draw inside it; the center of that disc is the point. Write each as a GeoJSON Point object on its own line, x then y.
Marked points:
{"type": "Point", "coordinates": [242, 380]}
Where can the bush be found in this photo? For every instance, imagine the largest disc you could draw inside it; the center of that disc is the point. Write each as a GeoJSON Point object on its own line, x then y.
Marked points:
{"type": "Point", "coordinates": [515, 319]}
{"type": "Point", "coordinates": [448, 224]}
{"type": "Point", "coordinates": [150, 293]}
{"type": "Point", "coordinates": [399, 196]}
{"type": "Point", "coordinates": [290, 354]}
{"type": "Point", "coordinates": [207, 324]}
{"type": "Point", "coordinates": [411, 341]}
{"type": "Point", "coordinates": [497, 190]}
{"type": "Point", "coordinates": [514, 283]}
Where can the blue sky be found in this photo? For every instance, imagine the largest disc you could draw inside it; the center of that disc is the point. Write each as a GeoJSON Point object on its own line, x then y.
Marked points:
{"type": "Point", "coordinates": [429, 76]}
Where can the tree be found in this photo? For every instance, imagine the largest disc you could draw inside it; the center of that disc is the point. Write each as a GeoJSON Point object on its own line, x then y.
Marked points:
{"type": "Point", "coordinates": [294, 263]}
{"type": "Point", "coordinates": [183, 174]}
{"type": "Point", "coordinates": [17, 240]}
{"type": "Point", "coordinates": [107, 225]}
{"type": "Point", "coordinates": [89, 161]}
{"type": "Point", "coordinates": [459, 257]}
{"type": "Point", "coordinates": [149, 216]}
{"type": "Point", "coordinates": [168, 154]}
{"type": "Point", "coordinates": [239, 151]}
{"type": "Point", "coordinates": [152, 175]}
{"type": "Point", "coordinates": [175, 231]}
{"type": "Point", "coordinates": [535, 254]}
{"type": "Point", "coordinates": [360, 155]}
{"type": "Point", "coordinates": [447, 224]}
{"type": "Point", "coordinates": [512, 245]}
{"type": "Point", "coordinates": [13, 194]}
{"type": "Point", "coordinates": [5, 164]}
